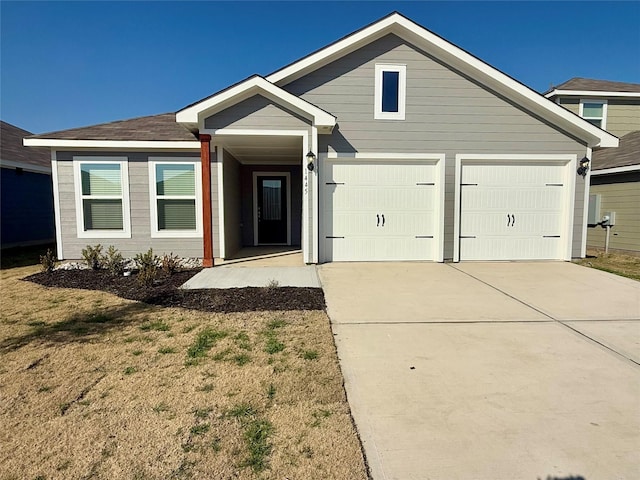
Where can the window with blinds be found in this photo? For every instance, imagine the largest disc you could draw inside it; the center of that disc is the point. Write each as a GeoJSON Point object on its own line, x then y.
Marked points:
{"type": "Point", "coordinates": [102, 200]}
{"type": "Point", "coordinates": [175, 197]}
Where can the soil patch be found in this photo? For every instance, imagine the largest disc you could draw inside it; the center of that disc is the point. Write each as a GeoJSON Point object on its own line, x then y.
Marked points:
{"type": "Point", "coordinates": [166, 292]}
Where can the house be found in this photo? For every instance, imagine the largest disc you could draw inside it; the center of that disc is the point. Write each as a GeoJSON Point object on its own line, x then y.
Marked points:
{"type": "Point", "coordinates": [26, 195]}
{"type": "Point", "coordinates": [615, 173]}
{"type": "Point", "coordinates": [388, 144]}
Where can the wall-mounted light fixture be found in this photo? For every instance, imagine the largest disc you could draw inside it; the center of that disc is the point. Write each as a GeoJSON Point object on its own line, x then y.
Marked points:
{"type": "Point", "coordinates": [310, 159]}
{"type": "Point", "coordinates": [584, 167]}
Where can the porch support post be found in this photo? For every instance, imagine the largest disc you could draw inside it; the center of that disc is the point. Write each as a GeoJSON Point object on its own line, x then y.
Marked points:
{"type": "Point", "coordinates": [207, 219]}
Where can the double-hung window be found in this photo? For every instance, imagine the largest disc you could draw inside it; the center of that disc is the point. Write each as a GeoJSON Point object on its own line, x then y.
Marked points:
{"type": "Point", "coordinates": [390, 92]}
{"type": "Point", "coordinates": [175, 195]}
{"type": "Point", "coordinates": [102, 197]}
{"type": "Point", "coordinates": [594, 111]}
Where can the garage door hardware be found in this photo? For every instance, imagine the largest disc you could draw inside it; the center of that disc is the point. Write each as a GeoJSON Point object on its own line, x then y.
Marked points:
{"type": "Point", "coordinates": [467, 236]}
{"type": "Point", "coordinates": [551, 236]}
{"type": "Point", "coordinates": [334, 183]}
{"type": "Point", "coordinates": [554, 185]}
{"type": "Point", "coordinates": [333, 237]}
{"type": "Point", "coordinates": [424, 236]}
{"type": "Point", "coordinates": [431, 183]}
{"type": "Point", "coordinates": [378, 217]}
{"type": "Point", "coordinates": [468, 184]}
{"type": "Point", "coordinates": [511, 220]}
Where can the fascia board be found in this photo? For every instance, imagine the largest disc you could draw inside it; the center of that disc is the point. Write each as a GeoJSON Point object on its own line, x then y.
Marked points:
{"type": "Point", "coordinates": [125, 144]}
{"type": "Point", "coordinates": [590, 93]}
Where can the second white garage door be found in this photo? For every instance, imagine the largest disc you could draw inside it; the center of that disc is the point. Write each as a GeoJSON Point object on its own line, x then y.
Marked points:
{"type": "Point", "coordinates": [380, 210]}
{"type": "Point", "coordinates": [513, 211]}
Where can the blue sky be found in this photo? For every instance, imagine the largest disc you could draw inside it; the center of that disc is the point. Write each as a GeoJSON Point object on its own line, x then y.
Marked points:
{"type": "Point", "coordinates": [71, 64]}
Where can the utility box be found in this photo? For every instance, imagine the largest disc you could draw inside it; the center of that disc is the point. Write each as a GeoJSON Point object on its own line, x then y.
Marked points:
{"type": "Point", "coordinates": [594, 210]}
{"type": "Point", "coordinates": [609, 219]}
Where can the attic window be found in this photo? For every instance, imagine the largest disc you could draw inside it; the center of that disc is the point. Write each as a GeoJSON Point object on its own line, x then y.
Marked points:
{"type": "Point", "coordinates": [595, 112]}
{"type": "Point", "coordinates": [390, 92]}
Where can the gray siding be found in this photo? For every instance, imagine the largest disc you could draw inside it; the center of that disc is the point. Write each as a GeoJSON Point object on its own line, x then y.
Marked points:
{"type": "Point", "coordinates": [139, 208]}
{"type": "Point", "coordinates": [232, 203]}
{"type": "Point", "coordinates": [256, 112]}
{"type": "Point", "coordinates": [446, 112]}
{"type": "Point", "coordinates": [571, 104]}
{"type": "Point", "coordinates": [619, 193]}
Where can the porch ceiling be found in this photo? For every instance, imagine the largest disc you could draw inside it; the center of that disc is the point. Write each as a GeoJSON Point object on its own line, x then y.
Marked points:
{"type": "Point", "coordinates": [263, 149]}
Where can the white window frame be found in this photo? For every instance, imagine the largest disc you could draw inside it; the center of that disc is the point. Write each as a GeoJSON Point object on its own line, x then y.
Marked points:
{"type": "Point", "coordinates": [124, 185]}
{"type": "Point", "coordinates": [402, 92]}
{"type": "Point", "coordinates": [603, 119]}
{"type": "Point", "coordinates": [153, 197]}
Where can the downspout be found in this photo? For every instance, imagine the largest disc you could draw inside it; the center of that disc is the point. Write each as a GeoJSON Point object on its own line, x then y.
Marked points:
{"type": "Point", "coordinates": [207, 219]}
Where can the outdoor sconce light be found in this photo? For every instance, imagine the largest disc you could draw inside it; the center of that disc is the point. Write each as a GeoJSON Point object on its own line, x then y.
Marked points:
{"type": "Point", "coordinates": [310, 158]}
{"type": "Point", "coordinates": [584, 167]}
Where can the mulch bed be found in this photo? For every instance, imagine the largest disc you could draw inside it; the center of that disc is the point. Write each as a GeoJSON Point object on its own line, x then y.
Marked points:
{"type": "Point", "coordinates": [166, 292]}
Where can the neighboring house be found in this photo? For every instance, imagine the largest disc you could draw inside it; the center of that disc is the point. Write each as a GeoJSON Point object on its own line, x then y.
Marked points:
{"type": "Point", "coordinates": [26, 196]}
{"type": "Point", "coordinates": [615, 173]}
{"type": "Point", "coordinates": [389, 144]}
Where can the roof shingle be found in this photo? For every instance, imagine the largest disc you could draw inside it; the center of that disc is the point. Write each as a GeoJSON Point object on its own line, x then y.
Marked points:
{"type": "Point", "coordinates": [161, 127]}
{"type": "Point", "coordinates": [12, 149]}
{"type": "Point", "coordinates": [627, 154]}
{"type": "Point", "coordinates": [593, 85]}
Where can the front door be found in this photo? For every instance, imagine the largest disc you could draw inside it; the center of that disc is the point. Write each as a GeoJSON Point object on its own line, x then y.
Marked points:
{"type": "Point", "coordinates": [272, 215]}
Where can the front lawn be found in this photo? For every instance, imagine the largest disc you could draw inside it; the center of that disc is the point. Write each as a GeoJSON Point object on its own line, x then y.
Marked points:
{"type": "Point", "coordinates": [96, 386]}
{"type": "Point", "coordinates": [618, 263]}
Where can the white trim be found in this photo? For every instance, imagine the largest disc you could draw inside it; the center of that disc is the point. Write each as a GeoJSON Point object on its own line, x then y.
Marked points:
{"type": "Point", "coordinates": [605, 104]}
{"type": "Point", "coordinates": [256, 240]}
{"type": "Point", "coordinates": [126, 207]}
{"type": "Point", "coordinates": [220, 167]}
{"type": "Point", "coordinates": [315, 224]}
{"type": "Point", "coordinates": [456, 58]}
{"type": "Point", "coordinates": [402, 92]}
{"type": "Point", "coordinates": [606, 171]}
{"type": "Point", "coordinates": [153, 197]}
{"type": "Point", "coordinates": [27, 167]}
{"type": "Point", "coordinates": [588, 93]}
{"type": "Point", "coordinates": [56, 204]}
{"type": "Point", "coordinates": [258, 132]}
{"type": "Point", "coordinates": [126, 144]}
{"type": "Point", "coordinates": [246, 89]}
{"type": "Point", "coordinates": [568, 160]}
{"type": "Point", "coordinates": [307, 256]}
{"type": "Point", "coordinates": [585, 206]}
{"type": "Point", "coordinates": [437, 159]}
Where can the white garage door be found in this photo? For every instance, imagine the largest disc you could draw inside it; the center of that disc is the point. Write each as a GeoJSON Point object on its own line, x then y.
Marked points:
{"type": "Point", "coordinates": [512, 212]}
{"type": "Point", "coordinates": [380, 210]}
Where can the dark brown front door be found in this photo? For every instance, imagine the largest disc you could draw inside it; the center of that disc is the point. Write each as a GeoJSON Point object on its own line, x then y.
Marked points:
{"type": "Point", "coordinates": [272, 209]}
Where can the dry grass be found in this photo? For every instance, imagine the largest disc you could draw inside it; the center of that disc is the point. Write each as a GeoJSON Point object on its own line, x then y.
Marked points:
{"type": "Point", "coordinates": [618, 263]}
{"type": "Point", "coordinates": [93, 386]}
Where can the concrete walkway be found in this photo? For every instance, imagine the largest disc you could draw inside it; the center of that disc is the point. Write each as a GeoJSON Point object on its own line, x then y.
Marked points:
{"type": "Point", "coordinates": [490, 370]}
{"type": "Point", "coordinates": [228, 276]}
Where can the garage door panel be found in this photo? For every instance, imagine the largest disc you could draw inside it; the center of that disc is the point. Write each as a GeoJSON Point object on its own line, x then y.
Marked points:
{"type": "Point", "coordinates": [511, 211]}
{"type": "Point", "coordinates": [379, 210]}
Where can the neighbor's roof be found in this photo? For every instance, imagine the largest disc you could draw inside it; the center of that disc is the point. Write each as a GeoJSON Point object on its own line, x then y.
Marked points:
{"type": "Point", "coordinates": [627, 154]}
{"type": "Point", "coordinates": [12, 152]}
{"type": "Point", "coordinates": [161, 127]}
{"type": "Point", "coordinates": [579, 85]}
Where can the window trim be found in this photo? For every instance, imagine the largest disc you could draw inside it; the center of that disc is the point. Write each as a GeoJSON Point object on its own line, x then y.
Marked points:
{"type": "Point", "coordinates": [402, 91]}
{"type": "Point", "coordinates": [153, 197]}
{"type": "Point", "coordinates": [78, 161]}
{"type": "Point", "coordinates": [603, 119]}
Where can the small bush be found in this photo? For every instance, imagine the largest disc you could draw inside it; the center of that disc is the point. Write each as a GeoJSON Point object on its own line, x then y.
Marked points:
{"type": "Point", "coordinates": [170, 263]}
{"type": "Point", "coordinates": [272, 284]}
{"type": "Point", "coordinates": [48, 261]}
{"type": "Point", "coordinates": [93, 256]}
{"type": "Point", "coordinates": [113, 261]}
{"type": "Point", "coordinates": [147, 264]}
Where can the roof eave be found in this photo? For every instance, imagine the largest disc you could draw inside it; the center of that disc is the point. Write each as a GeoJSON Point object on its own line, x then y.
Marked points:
{"type": "Point", "coordinates": [590, 93]}
{"type": "Point", "coordinates": [57, 143]}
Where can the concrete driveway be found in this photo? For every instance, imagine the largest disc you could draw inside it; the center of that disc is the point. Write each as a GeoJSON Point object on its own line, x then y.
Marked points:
{"type": "Point", "coordinates": [490, 370]}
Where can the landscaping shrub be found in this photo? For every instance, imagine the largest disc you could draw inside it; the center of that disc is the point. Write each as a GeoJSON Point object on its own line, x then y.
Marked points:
{"type": "Point", "coordinates": [170, 263]}
{"type": "Point", "coordinates": [113, 261]}
{"type": "Point", "coordinates": [48, 261]}
{"type": "Point", "coordinates": [93, 256]}
{"type": "Point", "coordinates": [147, 264]}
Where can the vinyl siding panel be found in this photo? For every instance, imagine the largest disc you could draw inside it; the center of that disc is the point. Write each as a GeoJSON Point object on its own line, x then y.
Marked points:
{"type": "Point", "coordinates": [571, 104]}
{"type": "Point", "coordinates": [446, 112]}
{"type": "Point", "coordinates": [623, 116]}
{"type": "Point", "coordinates": [620, 194]}
{"type": "Point", "coordinates": [256, 112]}
{"type": "Point", "coordinates": [140, 240]}
{"type": "Point", "coordinates": [232, 205]}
